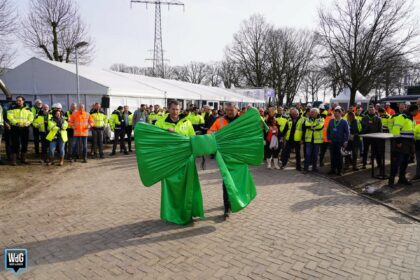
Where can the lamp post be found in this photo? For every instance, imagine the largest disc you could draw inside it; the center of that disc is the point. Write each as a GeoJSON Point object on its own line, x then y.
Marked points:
{"type": "Point", "coordinates": [77, 46]}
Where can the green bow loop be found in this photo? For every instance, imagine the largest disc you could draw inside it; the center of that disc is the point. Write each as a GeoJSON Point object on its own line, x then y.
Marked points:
{"type": "Point", "coordinates": [170, 158]}
{"type": "Point", "coordinates": [203, 145]}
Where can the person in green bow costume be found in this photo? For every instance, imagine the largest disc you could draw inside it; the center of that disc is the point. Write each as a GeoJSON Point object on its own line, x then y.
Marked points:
{"type": "Point", "coordinates": [166, 152]}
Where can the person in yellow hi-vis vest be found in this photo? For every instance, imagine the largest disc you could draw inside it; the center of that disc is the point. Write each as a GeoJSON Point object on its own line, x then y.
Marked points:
{"type": "Point", "coordinates": [403, 145]}
{"type": "Point", "coordinates": [174, 123]}
{"type": "Point", "coordinates": [41, 124]}
{"type": "Point", "coordinates": [100, 121]}
{"type": "Point", "coordinates": [312, 128]}
{"type": "Point", "coordinates": [293, 138]}
{"type": "Point", "coordinates": [417, 145]}
{"type": "Point", "coordinates": [57, 135]}
{"type": "Point", "coordinates": [20, 118]}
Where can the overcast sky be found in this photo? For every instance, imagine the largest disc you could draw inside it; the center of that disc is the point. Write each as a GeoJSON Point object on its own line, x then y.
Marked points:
{"type": "Point", "coordinates": [198, 33]}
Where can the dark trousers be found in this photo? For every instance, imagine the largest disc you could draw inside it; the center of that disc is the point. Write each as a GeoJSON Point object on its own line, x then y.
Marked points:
{"type": "Point", "coordinates": [354, 146]}
{"type": "Point", "coordinates": [119, 138]}
{"type": "Point", "coordinates": [285, 155]}
{"type": "Point", "coordinates": [37, 138]}
{"type": "Point", "coordinates": [417, 163]}
{"type": "Point", "coordinates": [323, 150]}
{"type": "Point", "coordinates": [8, 142]}
{"type": "Point", "coordinates": [226, 203]}
{"type": "Point", "coordinates": [375, 150]}
{"type": "Point", "coordinates": [127, 131]}
{"type": "Point", "coordinates": [20, 137]}
{"type": "Point", "coordinates": [98, 141]}
{"type": "Point", "coordinates": [336, 157]}
{"type": "Point", "coordinates": [399, 162]}
{"type": "Point", "coordinates": [44, 144]}
{"type": "Point", "coordinates": [271, 152]}
{"type": "Point", "coordinates": [311, 155]}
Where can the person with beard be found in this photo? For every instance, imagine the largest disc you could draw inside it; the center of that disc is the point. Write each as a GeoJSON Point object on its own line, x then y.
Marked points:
{"type": "Point", "coordinates": [231, 114]}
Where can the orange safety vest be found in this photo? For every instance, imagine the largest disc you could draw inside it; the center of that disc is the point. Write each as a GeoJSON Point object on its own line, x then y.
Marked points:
{"type": "Point", "coordinates": [217, 125]}
{"type": "Point", "coordinates": [416, 118]}
{"type": "Point", "coordinates": [80, 122]}
{"type": "Point", "coordinates": [324, 131]}
{"type": "Point", "coordinates": [390, 111]}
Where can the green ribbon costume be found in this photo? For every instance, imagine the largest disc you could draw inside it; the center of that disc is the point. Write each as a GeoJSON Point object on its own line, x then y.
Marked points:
{"type": "Point", "coordinates": [170, 157]}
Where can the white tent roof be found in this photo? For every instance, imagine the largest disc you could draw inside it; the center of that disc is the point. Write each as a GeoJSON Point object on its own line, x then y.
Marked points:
{"type": "Point", "coordinates": [39, 76]}
{"type": "Point", "coordinates": [344, 96]}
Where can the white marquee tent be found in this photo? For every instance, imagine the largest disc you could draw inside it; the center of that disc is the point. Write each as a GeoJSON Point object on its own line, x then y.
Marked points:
{"type": "Point", "coordinates": [56, 82]}
{"type": "Point", "coordinates": [343, 98]}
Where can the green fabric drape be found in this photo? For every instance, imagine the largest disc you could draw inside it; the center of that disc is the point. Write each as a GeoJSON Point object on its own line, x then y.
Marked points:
{"type": "Point", "coordinates": [170, 158]}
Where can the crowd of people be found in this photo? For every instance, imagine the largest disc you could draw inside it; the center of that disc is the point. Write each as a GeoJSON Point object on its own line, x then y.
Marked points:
{"type": "Point", "coordinates": [299, 130]}
{"type": "Point", "coordinates": [317, 130]}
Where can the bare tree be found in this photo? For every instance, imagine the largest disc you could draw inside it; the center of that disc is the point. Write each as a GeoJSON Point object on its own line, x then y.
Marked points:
{"type": "Point", "coordinates": [194, 72]}
{"type": "Point", "coordinates": [7, 27]}
{"type": "Point", "coordinates": [289, 53]}
{"type": "Point", "coordinates": [229, 73]}
{"type": "Point", "coordinates": [213, 74]}
{"type": "Point", "coordinates": [52, 29]}
{"type": "Point", "coordinates": [313, 81]}
{"type": "Point", "coordinates": [248, 50]}
{"type": "Point", "coordinates": [363, 35]}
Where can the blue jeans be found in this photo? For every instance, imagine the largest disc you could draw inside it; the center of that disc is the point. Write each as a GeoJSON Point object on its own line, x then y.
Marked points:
{"type": "Point", "coordinates": [54, 144]}
{"type": "Point", "coordinates": [311, 156]}
{"type": "Point", "coordinates": [75, 150]}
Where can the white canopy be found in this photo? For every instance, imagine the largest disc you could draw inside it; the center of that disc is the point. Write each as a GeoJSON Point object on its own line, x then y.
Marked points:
{"type": "Point", "coordinates": [55, 81]}
{"type": "Point", "coordinates": [344, 97]}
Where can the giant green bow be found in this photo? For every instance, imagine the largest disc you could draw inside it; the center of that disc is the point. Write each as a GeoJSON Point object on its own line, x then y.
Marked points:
{"type": "Point", "coordinates": [170, 158]}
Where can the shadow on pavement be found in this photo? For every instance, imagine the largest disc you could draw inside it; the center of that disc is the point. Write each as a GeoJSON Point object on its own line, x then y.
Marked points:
{"type": "Point", "coordinates": [72, 247]}
{"type": "Point", "coordinates": [328, 201]}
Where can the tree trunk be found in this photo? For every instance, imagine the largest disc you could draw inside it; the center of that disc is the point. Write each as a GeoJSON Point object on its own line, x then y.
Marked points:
{"type": "Point", "coordinates": [55, 42]}
{"type": "Point", "coordinates": [352, 96]}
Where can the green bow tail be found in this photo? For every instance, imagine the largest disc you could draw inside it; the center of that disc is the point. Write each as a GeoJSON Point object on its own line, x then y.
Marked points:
{"type": "Point", "coordinates": [170, 157]}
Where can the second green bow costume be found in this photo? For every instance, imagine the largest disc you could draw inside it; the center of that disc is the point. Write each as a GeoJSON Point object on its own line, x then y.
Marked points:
{"type": "Point", "coordinates": [170, 157]}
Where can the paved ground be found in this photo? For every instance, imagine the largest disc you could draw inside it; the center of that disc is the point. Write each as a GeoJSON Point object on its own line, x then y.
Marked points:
{"type": "Point", "coordinates": [100, 223]}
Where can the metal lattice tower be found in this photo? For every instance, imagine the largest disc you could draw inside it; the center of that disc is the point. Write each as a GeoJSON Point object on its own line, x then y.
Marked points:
{"type": "Point", "coordinates": [158, 60]}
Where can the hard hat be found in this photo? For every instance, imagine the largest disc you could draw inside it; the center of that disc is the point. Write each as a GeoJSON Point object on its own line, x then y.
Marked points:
{"type": "Point", "coordinates": [309, 105]}
{"type": "Point", "coordinates": [388, 103]}
{"type": "Point", "coordinates": [57, 106]}
{"type": "Point", "coordinates": [407, 103]}
{"type": "Point", "coordinates": [322, 107]}
{"type": "Point", "coordinates": [338, 108]}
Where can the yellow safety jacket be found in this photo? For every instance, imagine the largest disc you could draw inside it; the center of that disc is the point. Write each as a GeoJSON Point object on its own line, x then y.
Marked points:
{"type": "Point", "coordinates": [195, 118]}
{"type": "Point", "coordinates": [313, 130]}
{"type": "Point", "coordinates": [183, 126]}
{"type": "Point", "coordinates": [281, 121]}
{"type": "Point", "coordinates": [385, 120]}
{"type": "Point", "coordinates": [99, 119]}
{"type": "Point", "coordinates": [298, 132]}
{"type": "Point", "coordinates": [403, 126]}
{"type": "Point", "coordinates": [114, 120]}
{"type": "Point", "coordinates": [417, 132]}
{"type": "Point", "coordinates": [154, 117]}
{"type": "Point", "coordinates": [53, 129]}
{"type": "Point", "coordinates": [20, 116]}
{"type": "Point", "coordinates": [40, 121]}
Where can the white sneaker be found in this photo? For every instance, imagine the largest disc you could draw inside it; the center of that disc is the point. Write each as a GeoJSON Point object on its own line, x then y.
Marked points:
{"type": "Point", "coordinates": [269, 163]}
{"type": "Point", "coordinates": [276, 165]}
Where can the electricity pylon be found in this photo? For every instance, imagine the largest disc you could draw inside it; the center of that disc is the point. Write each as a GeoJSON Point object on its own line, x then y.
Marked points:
{"type": "Point", "coordinates": [158, 60]}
